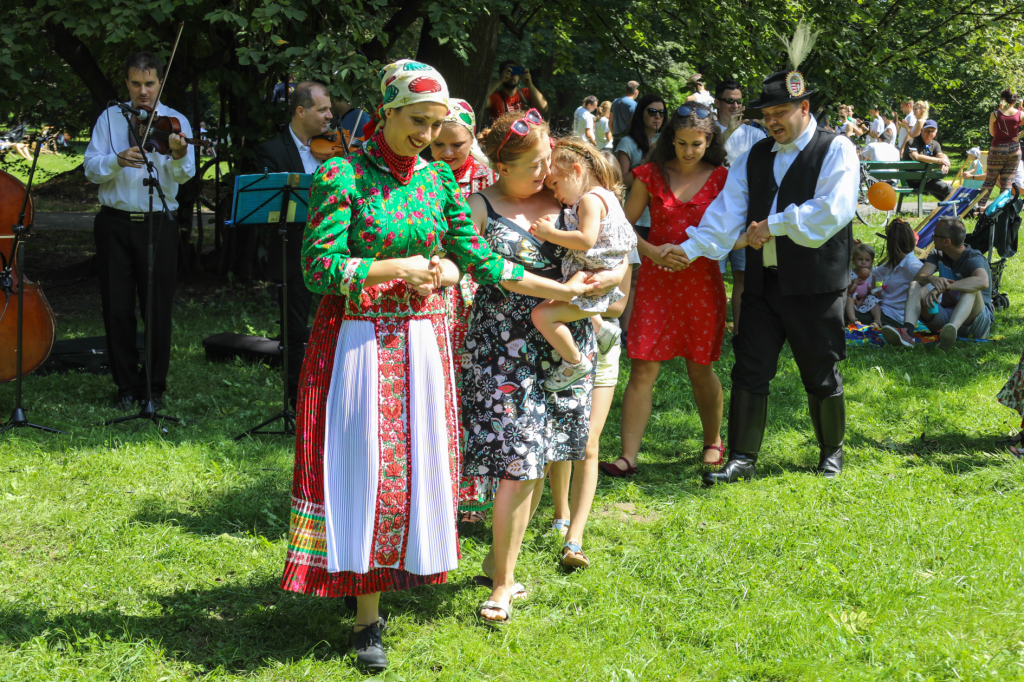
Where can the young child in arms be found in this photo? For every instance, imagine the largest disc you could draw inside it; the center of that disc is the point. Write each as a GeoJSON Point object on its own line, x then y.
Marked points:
{"type": "Point", "coordinates": [598, 238]}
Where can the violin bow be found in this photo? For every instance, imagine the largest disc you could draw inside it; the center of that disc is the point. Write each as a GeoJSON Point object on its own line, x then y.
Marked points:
{"type": "Point", "coordinates": [160, 92]}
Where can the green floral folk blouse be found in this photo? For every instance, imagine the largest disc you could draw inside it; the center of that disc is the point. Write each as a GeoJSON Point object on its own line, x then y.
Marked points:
{"type": "Point", "coordinates": [359, 212]}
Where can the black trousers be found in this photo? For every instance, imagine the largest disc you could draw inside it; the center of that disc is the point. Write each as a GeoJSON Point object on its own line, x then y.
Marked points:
{"type": "Point", "coordinates": [122, 248]}
{"type": "Point", "coordinates": [813, 325]}
{"type": "Point", "coordinates": [937, 188]}
{"type": "Point", "coordinates": [300, 300]}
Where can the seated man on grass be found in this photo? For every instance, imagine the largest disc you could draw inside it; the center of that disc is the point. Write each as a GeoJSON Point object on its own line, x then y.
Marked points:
{"type": "Point", "coordinates": [930, 297]}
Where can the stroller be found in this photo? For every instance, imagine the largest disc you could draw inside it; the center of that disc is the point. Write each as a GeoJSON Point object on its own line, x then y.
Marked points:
{"type": "Point", "coordinates": [996, 230]}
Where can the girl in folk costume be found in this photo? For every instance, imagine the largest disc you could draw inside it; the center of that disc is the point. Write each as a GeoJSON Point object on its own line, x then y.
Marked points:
{"type": "Point", "coordinates": [456, 145]}
{"type": "Point", "coordinates": [377, 459]}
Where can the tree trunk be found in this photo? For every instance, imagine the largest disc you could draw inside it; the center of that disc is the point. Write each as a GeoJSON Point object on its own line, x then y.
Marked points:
{"type": "Point", "coordinates": [81, 60]}
{"type": "Point", "coordinates": [466, 82]}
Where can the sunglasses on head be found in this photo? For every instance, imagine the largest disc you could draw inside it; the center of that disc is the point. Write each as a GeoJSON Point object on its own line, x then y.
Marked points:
{"type": "Point", "coordinates": [730, 100]}
{"type": "Point", "coordinates": [521, 128]}
{"type": "Point", "coordinates": [655, 112]}
{"type": "Point", "coordinates": [685, 111]}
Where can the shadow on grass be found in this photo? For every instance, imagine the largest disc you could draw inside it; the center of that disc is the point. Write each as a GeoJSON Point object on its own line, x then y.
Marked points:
{"type": "Point", "coordinates": [241, 628]}
{"type": "Point", "coordinates": [261, 508]}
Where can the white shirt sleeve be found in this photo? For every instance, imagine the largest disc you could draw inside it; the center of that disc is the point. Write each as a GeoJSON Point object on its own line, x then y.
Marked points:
{"type": "Point", "coordinates": [724, 219]}
{"type": "Point", "coordinates": [814, 222]}
{"type": "Point", "coordinates": [100, 160]}
{"type": "Point", "coordinates": [184, 169]}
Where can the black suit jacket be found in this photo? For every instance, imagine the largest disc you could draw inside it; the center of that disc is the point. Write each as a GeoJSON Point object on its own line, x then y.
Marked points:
{"type": "Point", "coordinates": [279, 155]}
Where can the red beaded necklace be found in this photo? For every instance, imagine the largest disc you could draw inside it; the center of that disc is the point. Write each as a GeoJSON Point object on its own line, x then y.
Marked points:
{"type": "Point", "coordinates": [401, 166]}
{"type": "Point", "coordinates": [466, 168]}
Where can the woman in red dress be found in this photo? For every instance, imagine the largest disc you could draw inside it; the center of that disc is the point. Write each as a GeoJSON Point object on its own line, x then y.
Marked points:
{"type": "Point", "coordinates": [678, 312]}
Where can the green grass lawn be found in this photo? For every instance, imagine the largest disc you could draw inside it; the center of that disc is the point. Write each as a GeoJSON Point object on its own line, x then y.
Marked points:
{"type": "Point", "coordinates": [158, 557]}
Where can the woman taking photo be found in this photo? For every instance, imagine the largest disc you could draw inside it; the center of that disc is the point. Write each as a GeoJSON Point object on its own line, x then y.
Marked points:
{"type": "Point", "coordinates": [1004, 154]}
{"type": "Point", "coordinates": [376, 461]}
{"type": "Point", "coordinates": [631, 152]}
{"type": "Point", "coordinates": [514, 427]}
{"type": "Point", "coordinates": [678, 313]}
{"type": "Point", "coordinates": [456, 146]}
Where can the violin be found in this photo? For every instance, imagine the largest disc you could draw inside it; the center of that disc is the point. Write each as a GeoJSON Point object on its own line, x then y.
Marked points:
{"type": "Point", "coordinates": [327, 145]}
{"type": "Point", "coordinates": [160, 130]}
{"type": "Point", "coordinates": [38, 323]}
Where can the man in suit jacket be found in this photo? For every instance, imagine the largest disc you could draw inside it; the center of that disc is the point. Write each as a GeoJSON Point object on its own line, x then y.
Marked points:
{"type": "Point", "coordinates": [289, 153]}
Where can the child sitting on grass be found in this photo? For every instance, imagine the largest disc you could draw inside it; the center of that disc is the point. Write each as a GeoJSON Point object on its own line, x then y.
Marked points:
{"type": "Point", "coordinates": [861, 295]}
{"type": "Point", "coordinates": [598, 238]}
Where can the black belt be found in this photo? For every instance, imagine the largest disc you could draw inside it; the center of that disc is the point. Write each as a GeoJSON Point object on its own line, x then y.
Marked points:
{"type": "Point", "coordinates": [132, 216]}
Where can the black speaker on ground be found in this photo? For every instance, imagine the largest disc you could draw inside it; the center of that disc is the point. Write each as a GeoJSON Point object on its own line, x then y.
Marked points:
{"type": "Point", "coordinates": [87, 354]}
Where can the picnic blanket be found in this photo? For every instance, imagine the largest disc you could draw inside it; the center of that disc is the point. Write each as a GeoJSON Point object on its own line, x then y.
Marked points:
{"type": "Point", "coordinates": [858, 334]}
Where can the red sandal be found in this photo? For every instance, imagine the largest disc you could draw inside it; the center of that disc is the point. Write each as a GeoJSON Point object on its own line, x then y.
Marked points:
{"type": "Point", "coordinates": [721, 455]}
{"type": "Point", "coordinates": [610, 469]}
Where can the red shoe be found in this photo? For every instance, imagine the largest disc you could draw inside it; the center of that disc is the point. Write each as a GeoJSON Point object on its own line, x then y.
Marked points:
{"type": "Point", "coordinates": [610, 469]}
{"type": "Point", "coordinates": [721, 455]}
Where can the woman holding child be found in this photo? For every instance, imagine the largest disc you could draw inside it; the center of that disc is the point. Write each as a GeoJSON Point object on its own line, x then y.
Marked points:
{"type": "Point", "coordinates": [678, 312]}
{"type": "Point", "coordinates": [514, 427]}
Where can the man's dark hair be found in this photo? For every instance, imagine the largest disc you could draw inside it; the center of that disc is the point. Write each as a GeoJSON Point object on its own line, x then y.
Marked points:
{"type": "Point", "coordinates": [589, 99]}
{"type": "Point", "coordinates": [952, 228]}
{"type": "Point", "coordinates": [507, 62]}
{"type": "Point", "coordinates": [304, 93]}
{"type": "Point", "coordinates": [144, 61]}
{"type": "Point", "coordinates": [727, 84]}
{"type": "Point", "coordinates": [636, 124]}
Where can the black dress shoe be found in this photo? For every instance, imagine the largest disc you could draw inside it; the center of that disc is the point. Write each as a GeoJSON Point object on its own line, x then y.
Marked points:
{"type": "Point", "coordinates": [154, 405]}
{"type": "Point", "coordinates": [739, 466]}
{"type": "Point", "coordinates": [126, 403]}
{"type": "Point", "coordinates": [369, 649]}
{"type": "Point", "coordinates": [831, 464]}
{"type": "Point", "coordinates": [828, 417]}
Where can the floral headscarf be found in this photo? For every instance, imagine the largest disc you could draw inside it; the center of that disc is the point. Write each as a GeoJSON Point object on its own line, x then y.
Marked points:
{"type": "Point", "coordinates": [460, 112]}
{"type": "Point", "coordinates": [407, 82]}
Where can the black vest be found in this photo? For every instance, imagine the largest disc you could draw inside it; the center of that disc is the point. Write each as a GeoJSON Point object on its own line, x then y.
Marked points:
{"type": "Point", "coordinates": [801, 270]}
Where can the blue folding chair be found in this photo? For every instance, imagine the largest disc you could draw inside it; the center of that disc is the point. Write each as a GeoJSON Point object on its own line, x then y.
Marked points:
{"type": "Point", "coordinates": [960, 202]}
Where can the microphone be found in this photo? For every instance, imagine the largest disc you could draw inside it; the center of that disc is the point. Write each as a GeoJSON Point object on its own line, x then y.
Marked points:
{"type": "Point", "coordinates": [138, 113]}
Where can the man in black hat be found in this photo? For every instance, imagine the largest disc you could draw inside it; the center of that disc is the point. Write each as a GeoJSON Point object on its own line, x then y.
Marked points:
{"type": "Point", "coordinates": [796, 193]}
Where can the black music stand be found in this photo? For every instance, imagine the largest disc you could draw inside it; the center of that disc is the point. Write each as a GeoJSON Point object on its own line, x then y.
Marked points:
{"type": "Point", "coordinates": [255, 196]}
{"type": "Point", "coordinates": [21, 231]}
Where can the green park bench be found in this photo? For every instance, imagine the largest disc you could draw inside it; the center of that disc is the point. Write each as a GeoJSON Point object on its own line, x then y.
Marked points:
{"type": "Point", "coordinates": [914, 171]}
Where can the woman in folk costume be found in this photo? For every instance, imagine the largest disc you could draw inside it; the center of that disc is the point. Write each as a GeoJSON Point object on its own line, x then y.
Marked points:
{"type": "Point", "coordinates": [456, 146]}
{"type": "Point", "coordinates": [377, 460]}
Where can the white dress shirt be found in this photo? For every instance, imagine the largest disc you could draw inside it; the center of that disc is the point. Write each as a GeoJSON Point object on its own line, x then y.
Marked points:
{"type": "Point", "coordinates": [810, 224]}
{"type": "Point", "coordinates": [309, 162]}
{"type": "Point", "coordinates": [877, 126]}
{"type": "Point", "coordinates": [880, 151]}
{"type": "Point", "coordinates": [122, 188]}
{"type": "Point", "coordinates": [740, 142]}
{"type": "Point", "coordinates": [911, 121]}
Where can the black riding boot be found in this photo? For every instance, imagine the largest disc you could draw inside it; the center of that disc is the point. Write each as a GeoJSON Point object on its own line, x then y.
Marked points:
{"type": "Point", "coordinates": [828, 416]}
{"type": "Point", "coordinates": [747, 415]}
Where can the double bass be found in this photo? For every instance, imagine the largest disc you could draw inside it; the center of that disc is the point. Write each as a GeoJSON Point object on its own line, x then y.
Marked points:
{"type": "Point", "coordinates": [38, 323]}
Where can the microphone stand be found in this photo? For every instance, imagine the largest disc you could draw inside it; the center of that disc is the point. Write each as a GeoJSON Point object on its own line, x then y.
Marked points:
{"type": "Point", "coordinates": [18, 418]}
{"type": "Point", "coordinates": [148, 412]}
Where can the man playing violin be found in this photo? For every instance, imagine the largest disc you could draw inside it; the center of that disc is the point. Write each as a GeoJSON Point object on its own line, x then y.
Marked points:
{"type": "Point", "coordinates": [113, 161]}
{"type": "Point", "coordinates": [289, 152]}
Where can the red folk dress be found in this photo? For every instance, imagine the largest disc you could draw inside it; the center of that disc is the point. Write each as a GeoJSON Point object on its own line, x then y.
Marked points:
{"type": "Point", "coordinates": [677, 314]}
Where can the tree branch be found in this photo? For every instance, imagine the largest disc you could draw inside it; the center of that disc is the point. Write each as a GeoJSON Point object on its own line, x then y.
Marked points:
{"type": "Point", "coordinates": [77, 56]}
{"type": "Point", "coordinates": [403, 18]}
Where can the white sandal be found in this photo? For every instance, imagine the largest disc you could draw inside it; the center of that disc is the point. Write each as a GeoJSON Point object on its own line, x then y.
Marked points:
{"type": "Point", "coordinates": [559, 380]}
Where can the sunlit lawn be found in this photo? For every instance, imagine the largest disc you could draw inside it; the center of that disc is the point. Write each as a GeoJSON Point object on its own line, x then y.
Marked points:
{"type": "Point", "coordinates": [158, 557]}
